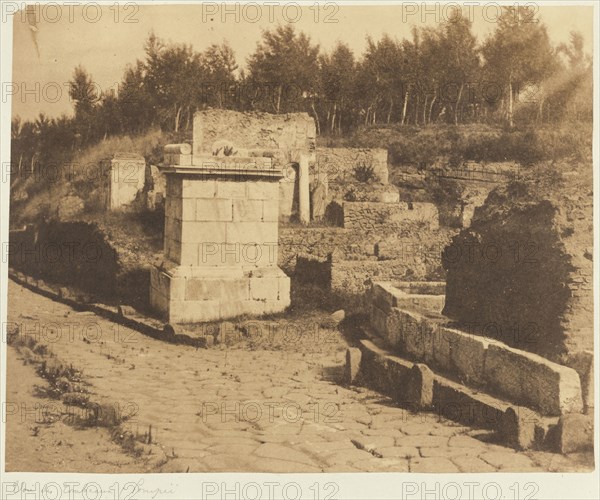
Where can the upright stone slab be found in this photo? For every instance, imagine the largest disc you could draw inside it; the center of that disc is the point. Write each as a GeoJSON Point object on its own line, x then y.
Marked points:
{"type": "Point", "coordinates": [221, 236]}
{"type": "Point", "coordinates": [124, 176]}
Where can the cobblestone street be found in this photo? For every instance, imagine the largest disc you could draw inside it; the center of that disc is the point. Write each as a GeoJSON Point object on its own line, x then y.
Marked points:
{"type": "Point", "coordinates": [254, 409]}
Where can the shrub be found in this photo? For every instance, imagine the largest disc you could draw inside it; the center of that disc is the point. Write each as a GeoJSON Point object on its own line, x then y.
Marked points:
{"type": "Point", "coordinates": [364, 172]}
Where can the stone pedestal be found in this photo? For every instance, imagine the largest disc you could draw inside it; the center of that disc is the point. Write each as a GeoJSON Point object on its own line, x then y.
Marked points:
{"type": "Point", "coordinates": [221, 237]}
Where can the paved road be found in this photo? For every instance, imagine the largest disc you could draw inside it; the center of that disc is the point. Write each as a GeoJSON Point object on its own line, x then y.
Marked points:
{"type": "Point", "coordinates": [267, 408]}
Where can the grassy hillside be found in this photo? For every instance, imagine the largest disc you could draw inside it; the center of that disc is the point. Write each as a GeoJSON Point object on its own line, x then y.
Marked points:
{"type": "Point", "coordinates": [59, 189]}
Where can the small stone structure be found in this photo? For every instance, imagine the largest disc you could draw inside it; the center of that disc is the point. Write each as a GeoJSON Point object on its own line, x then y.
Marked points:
{"type": "Point", "coordinates": [343, 165]}
{"type": "Point", "coordinates": [221, 223]}
{"type": "Point", "coordinates": [123, 177]}
{"type": "Point", "coordinates": [359, 173]}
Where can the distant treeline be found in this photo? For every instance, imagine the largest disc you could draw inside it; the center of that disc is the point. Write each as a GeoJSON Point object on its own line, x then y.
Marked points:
{"type": "Point", "coordinates": [440, 75]}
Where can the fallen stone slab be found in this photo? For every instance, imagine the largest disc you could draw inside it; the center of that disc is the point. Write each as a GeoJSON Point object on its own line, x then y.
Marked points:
{"type": "Point", "coordinates": [334, 319]}
{"type": "Point", "coordinates": [127, 311]}
{"type": "Point", "coordinates": [522, 428]}
{"type": "Point", "coordinates": [531, 380]}
{"type": "Point", "coordinates": [583, 363]}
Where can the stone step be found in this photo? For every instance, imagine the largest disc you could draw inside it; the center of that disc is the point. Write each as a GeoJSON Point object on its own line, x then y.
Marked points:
{"type": "Point", "coordinates": [416, 387]}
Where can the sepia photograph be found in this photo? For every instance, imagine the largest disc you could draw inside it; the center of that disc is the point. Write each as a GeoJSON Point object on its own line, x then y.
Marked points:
{"type": "Point", "coordinates": [249, 246]}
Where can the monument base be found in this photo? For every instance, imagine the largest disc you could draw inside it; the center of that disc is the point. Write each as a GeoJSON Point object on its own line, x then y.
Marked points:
{"type": "Point", "coordinates": [190, 294]}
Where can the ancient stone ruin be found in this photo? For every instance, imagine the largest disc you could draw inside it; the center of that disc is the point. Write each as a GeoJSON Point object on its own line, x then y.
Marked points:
{"type": "Point", "coordinates": [506, 342]}
{"type": "Point", "coordinates": [522, 271]}
{"type": "Point", "coordinates": [123, 177]}
{"type": "Point", "coordinates": [288, 140]}
{"type": "Point", "coordinates": [221, 216]}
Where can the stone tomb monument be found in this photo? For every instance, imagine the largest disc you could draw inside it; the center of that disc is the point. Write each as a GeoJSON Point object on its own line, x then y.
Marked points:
{"type": "Point", "coordinates": [123, 177]}
{"type": "Point", "coordinates": [288, 139]}
{"type": "Point", "coordinates": [221, 237]}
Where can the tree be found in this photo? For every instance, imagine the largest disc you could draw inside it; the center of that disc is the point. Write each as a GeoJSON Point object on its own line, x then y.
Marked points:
{"type": "Point", "coordinates": [83, 94]}
{"type": "Point", "coordinates": [383, 78]}
{"type": "Point", "coordinates": [285, 63]}
{"type": "Point", "coordinates": [459, 63]}
{"type": "Point", "coordinates": [336, 85]}
{"type": "Point", "coordinates": [82, 91]}
{"type": "Point", "coordinates": [218, 66]}
{"type": "Point", "coordinates": [137, 106]}
{"type": "Point", "coordinates": [518, 53]}
{"type": "Point", "coordinates": [171, 76]}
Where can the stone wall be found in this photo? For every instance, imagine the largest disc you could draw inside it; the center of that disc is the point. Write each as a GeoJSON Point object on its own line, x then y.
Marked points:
{"type": "Point", "coordinates": [319, 242]}
{"type": "Point", "coordinates": [340, 165]}
{"type": "Point", "coordinates": [353, 277]}
{"type": "Point", "coordinates": [523, 270]}
{"type": "Point", "coordinates": [281, 137]}
{"type": "Point", "coordinates": [389, 217]}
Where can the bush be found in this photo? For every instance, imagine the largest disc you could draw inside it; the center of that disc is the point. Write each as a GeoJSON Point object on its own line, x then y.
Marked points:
{"type": "Point", "coordinates": [364, 172]}
{"type": "Point", "coordinates": [453, 145]}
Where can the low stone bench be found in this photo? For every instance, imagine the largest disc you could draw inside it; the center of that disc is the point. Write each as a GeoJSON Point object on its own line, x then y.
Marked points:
{"type": "Point", "coordinates": [423, 335]}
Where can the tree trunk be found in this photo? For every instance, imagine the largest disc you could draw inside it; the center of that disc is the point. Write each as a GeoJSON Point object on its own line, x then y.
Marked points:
{"type": "Point", "coordinates": [278, 106]}
{"type": "Point", "coordinates": [510, 104]}
{"type": "Point", "coordinates": [541, 109]}
{"type": "Point", "coordinates": [456, 106]}
{"type": "Point", "coordinates": [177, 116]}
{"type": "Point", "coordinates": [425, 111]}
{"type": "Point", "coordinates": [389, 115]}
{"type": "Point", "coordinates": [406, 95]}
{"type": "Point", "coordinates": [332, 125]}
{"type": "Point", "coordinates": [417, 110]}
{"type": "Point", "coordinates": [431, 107]}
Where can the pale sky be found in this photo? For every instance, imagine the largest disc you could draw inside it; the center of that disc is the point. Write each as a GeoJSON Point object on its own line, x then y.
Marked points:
{"type": "Point", "coordinates": [105, 41]}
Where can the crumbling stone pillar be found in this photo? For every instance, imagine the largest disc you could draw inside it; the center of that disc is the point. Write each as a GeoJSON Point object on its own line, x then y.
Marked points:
{"type": "Point", "coordinates": [303, 189]}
